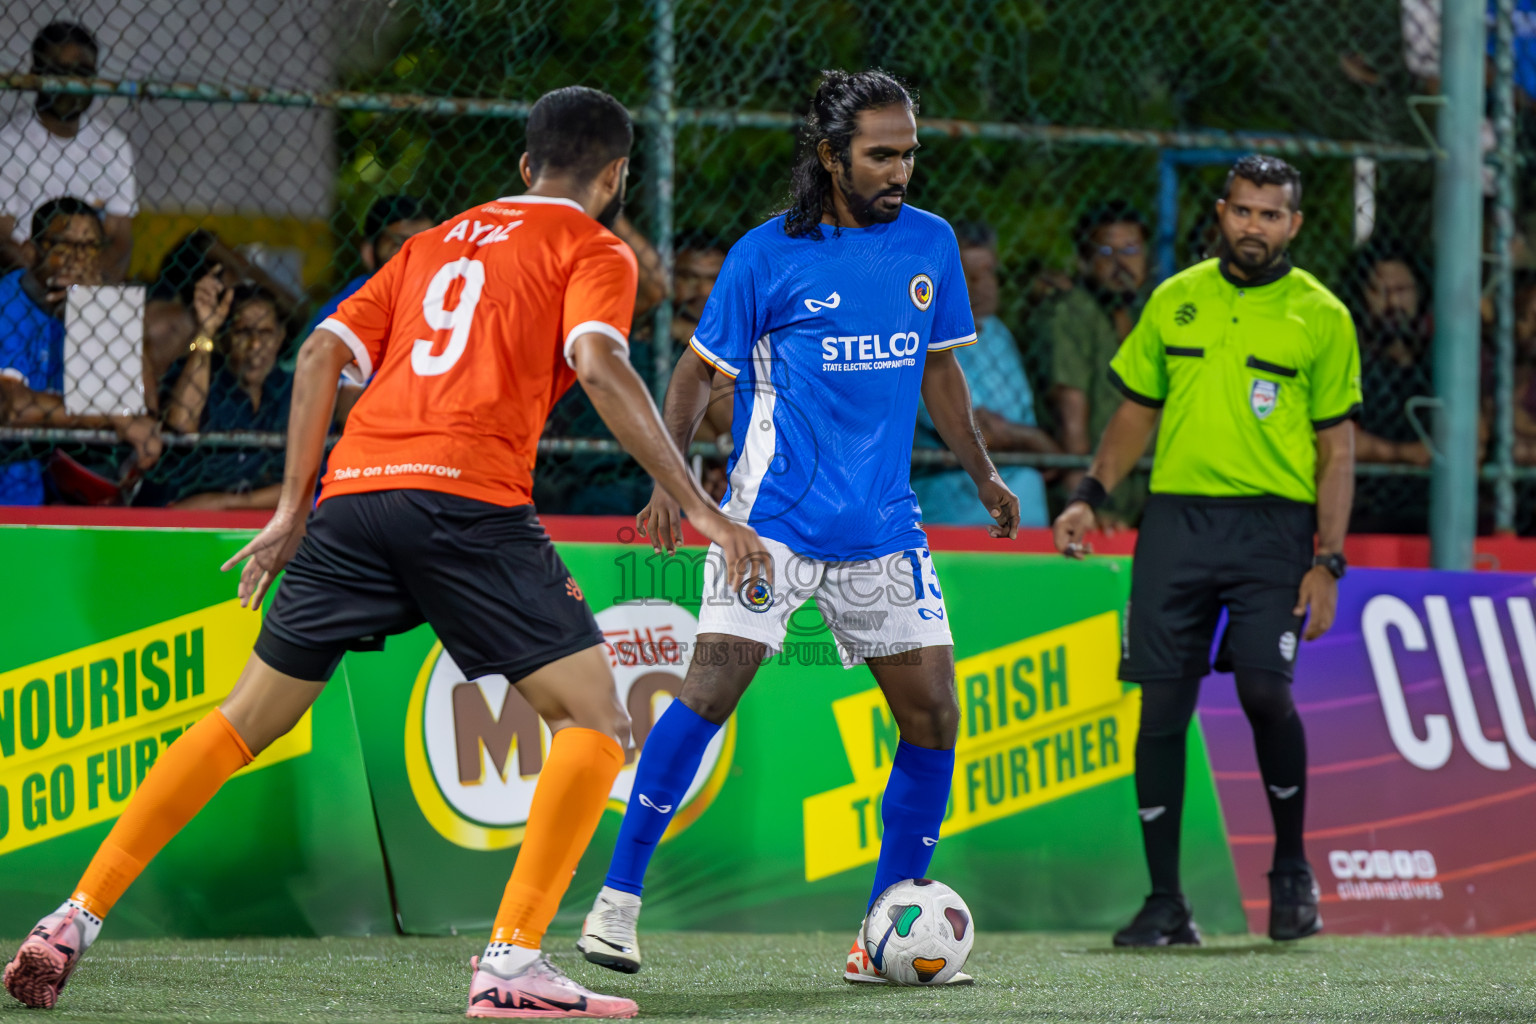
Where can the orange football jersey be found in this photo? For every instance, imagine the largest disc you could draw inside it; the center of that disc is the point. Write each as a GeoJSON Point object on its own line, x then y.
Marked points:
{"type": "Point", "coordinates": [466, 334]}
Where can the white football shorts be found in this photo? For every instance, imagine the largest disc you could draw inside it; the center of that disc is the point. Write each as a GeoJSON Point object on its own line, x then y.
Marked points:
{"type": "Point", "coordinates": [874, 608]}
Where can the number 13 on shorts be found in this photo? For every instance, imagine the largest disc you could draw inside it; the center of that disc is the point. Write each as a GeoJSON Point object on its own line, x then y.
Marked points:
{"type": "Point", "coordinates": [925, 584]}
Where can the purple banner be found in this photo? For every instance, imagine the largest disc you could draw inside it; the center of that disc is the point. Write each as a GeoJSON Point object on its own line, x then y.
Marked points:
{"type": "Point", "coordinates": [1419, 707]}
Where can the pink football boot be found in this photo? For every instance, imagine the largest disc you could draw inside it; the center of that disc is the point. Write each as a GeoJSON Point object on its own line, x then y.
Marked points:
{"type": "Point", "coordinates": [37, 973]}
{"type": "Point", "coordinates": [540, 990]}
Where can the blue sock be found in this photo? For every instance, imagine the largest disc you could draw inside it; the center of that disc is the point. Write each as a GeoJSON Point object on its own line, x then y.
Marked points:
{"type": "Point", "coordinates": [668, 763]}
{"type": "Point", "coordinates": [912, 810]}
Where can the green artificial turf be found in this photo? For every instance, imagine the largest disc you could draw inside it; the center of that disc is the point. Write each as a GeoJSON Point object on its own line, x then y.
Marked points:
{"type": "Point", "coordinates": [708, 977]}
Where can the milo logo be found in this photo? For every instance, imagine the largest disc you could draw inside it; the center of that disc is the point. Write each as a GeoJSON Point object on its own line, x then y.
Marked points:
{"type": "Point", "coordinates": [474, 748]}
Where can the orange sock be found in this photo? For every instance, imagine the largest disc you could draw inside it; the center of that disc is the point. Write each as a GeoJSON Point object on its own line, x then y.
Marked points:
{"type": "Point", "coordinates": [573, 788]}
{"type": "Point", "coordinates": [184, 778]}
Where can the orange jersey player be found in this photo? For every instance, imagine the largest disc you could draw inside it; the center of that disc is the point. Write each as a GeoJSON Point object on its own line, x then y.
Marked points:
{"type": "Point", "coordinates": [471, 333]}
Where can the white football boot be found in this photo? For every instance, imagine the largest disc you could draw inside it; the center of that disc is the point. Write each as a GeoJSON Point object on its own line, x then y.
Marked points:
{"type": "Point", "coordinates": [608, 936]}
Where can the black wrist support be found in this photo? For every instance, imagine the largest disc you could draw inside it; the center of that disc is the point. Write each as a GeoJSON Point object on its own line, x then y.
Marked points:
{"type": "Point", "coordinates": [1090, 492]}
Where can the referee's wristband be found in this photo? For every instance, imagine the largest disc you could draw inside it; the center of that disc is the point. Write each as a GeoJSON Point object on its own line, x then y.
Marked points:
{"type": "Point", "coordinates": [1090, 492]}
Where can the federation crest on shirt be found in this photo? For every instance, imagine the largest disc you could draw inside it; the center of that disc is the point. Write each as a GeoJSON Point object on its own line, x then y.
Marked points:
{"type": "Point", "coordinates": [920, 290]}
{"type": "Point", "coordinates": [1262, 398]}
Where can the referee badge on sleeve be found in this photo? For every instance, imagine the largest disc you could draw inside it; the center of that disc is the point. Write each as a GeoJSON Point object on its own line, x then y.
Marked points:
{"type": "Point", "coordinates": [1263, 397]}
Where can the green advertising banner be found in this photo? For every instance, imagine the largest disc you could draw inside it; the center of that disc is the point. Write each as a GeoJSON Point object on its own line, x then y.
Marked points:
{"type": "Point", "coordinates": [780, 830]}
{"type": "Point", "coordinates": [114, 642]}
{"type": "Point", "coordinates": [121, 638]}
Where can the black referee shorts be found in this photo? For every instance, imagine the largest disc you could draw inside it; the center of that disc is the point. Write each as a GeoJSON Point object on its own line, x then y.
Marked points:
{"type": "Point", "coordinates": [486, 578]}
{"type": "Point", "coordinates": [1196, 556]}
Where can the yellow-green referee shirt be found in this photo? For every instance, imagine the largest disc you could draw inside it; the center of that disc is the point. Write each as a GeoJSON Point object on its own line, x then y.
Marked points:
{"type": "Point", "coordinates": [1245, 375]}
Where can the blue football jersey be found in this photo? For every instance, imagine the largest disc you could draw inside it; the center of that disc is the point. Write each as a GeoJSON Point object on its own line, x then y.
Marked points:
{"type": "Point", "coordinates": [826, 340]}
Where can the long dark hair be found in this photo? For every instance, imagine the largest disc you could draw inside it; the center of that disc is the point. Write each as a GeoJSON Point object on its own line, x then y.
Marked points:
{"type": "Point", "coordinates": [834, 117]}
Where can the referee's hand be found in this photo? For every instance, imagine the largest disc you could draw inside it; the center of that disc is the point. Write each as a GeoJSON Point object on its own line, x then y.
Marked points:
{"type": "Point", "coordinates": [1318, 599]}
{"type": "Point", "coordinates": [1071, 527]}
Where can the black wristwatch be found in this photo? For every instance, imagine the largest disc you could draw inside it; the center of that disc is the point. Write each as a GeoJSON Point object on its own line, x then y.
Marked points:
{"type": "Point", "coordinates": [1334, 563]}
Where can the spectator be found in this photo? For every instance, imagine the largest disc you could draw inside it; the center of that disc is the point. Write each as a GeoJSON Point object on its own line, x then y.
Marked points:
{"type": "Point", "coordinates": [1395, 328]}
{"type": "Point", "coordinates": [55, 150]}
{"type": "Point", "coordinates": [170, 323]}
{"type": "Point", "coordinates": [1083, 328]}
{"type": "Point", "coordinates": [1000, 394]}
{"type": "Point", "coordinates": [1395, 332]}
{"type": "Point", "coordinates": [228, 382]}
{"type": "Point", "coordinates": [64, 250]}
{"type": "Point", "coordinates": [390, 223]}
{"type": "Point", "coordinates": [696, 266]}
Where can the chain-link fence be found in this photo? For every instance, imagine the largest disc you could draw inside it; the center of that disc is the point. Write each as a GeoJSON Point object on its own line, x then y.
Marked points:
{"type": "Point", "coordinates": [1078, 147]}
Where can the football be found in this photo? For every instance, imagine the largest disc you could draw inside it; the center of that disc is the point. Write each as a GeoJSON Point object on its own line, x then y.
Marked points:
{"type": "Point", "coordinates": [919, 932]}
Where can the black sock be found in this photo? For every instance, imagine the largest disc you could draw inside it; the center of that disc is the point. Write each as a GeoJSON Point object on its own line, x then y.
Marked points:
{"type": "Point", "coordinates": [1281, 744]}
{"type": "Point", "coordinates": [1166, 710]}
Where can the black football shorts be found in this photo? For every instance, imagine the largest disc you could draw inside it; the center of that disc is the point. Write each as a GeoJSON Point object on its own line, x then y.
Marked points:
{"type": "Point", "coordinates": [486, 578]}
{"type": "Point", "coordinates": [1196, 556]}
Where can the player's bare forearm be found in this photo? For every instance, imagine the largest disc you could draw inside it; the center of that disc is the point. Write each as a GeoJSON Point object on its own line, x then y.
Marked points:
{"type": "Point", "coordinates": [1125, 438]}
{"type": "Point", "coordinates": [1335, 485]}
{"type": "Point", "coordinates": [687, 398]}
{"type": "Point", "coordinates": [948, 398]}
{"type": "Point", "coordinates": [320, 363]}
{"type": "Point", "coordinates": [620, 398]}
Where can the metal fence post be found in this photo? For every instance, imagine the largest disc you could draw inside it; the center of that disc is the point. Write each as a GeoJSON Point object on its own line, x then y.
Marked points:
{"type": "Point", "coordinates": [1504, 271]}
{"type": "Point", "coordinates": [1458, 271]}
{"type": "Point", "coordinates": [663, 138]}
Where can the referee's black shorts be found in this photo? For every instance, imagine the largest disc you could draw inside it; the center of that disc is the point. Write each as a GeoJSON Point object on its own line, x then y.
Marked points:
{"type": "Point", "coordinates": [487, 579]}
{"type": "Point", "coordinates": [1196, 556]}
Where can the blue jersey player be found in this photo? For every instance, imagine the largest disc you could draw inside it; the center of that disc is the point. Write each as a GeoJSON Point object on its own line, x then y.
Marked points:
{"type": "Point", "coordinates": [832, 320]}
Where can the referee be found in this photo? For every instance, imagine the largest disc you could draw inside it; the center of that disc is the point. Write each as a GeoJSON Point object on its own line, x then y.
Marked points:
{"type": "Point", "coordinates": [1255, 371]}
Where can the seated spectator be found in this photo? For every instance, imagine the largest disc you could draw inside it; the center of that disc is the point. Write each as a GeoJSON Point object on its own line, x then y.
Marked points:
{"type": "Point", "coordinates": [1395, 329]}
{"type": "Point", "coordinates": [65, 249]}
{"type": "Point", "coordinates": [55, 150]}
{"type": "Point", "coordinates": [228, 382]}
{"type": "Point", "coordinates": [169, 321]}
{"type": "Point", "coordinates": [696, 266]}
{"type": "Point", "coordinates": [1083, 327]}
{"type": "Point", "coordinates": [1395, 332]}
{"type": "Point", "coordinates": [390, 223]}
{"type": "Point", "coordinates": [1003, 402]}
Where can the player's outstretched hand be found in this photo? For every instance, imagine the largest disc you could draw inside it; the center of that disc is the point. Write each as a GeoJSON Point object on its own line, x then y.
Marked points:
{"type": "Point", "coordinates": [1318, 600]}
{"type": "Point", "coordinates": [1002, 505]}
{"type": "Point", "coordinates": [661, 521]}
{"type": "Point", "coordinates": [1070, 529]}
{"type": "Point", "coordinates": [266, 555]}
{"type": "Point", "coordinates": [746, 556]}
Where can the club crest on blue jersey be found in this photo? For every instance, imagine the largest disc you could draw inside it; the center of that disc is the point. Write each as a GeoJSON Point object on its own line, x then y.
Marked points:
{"type": "Point", "coordinates": [756, 594]}
{"type": "Point", "coordinates": [920, 290]}
{"type": "Point", "coordinates": [1263, 397]}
